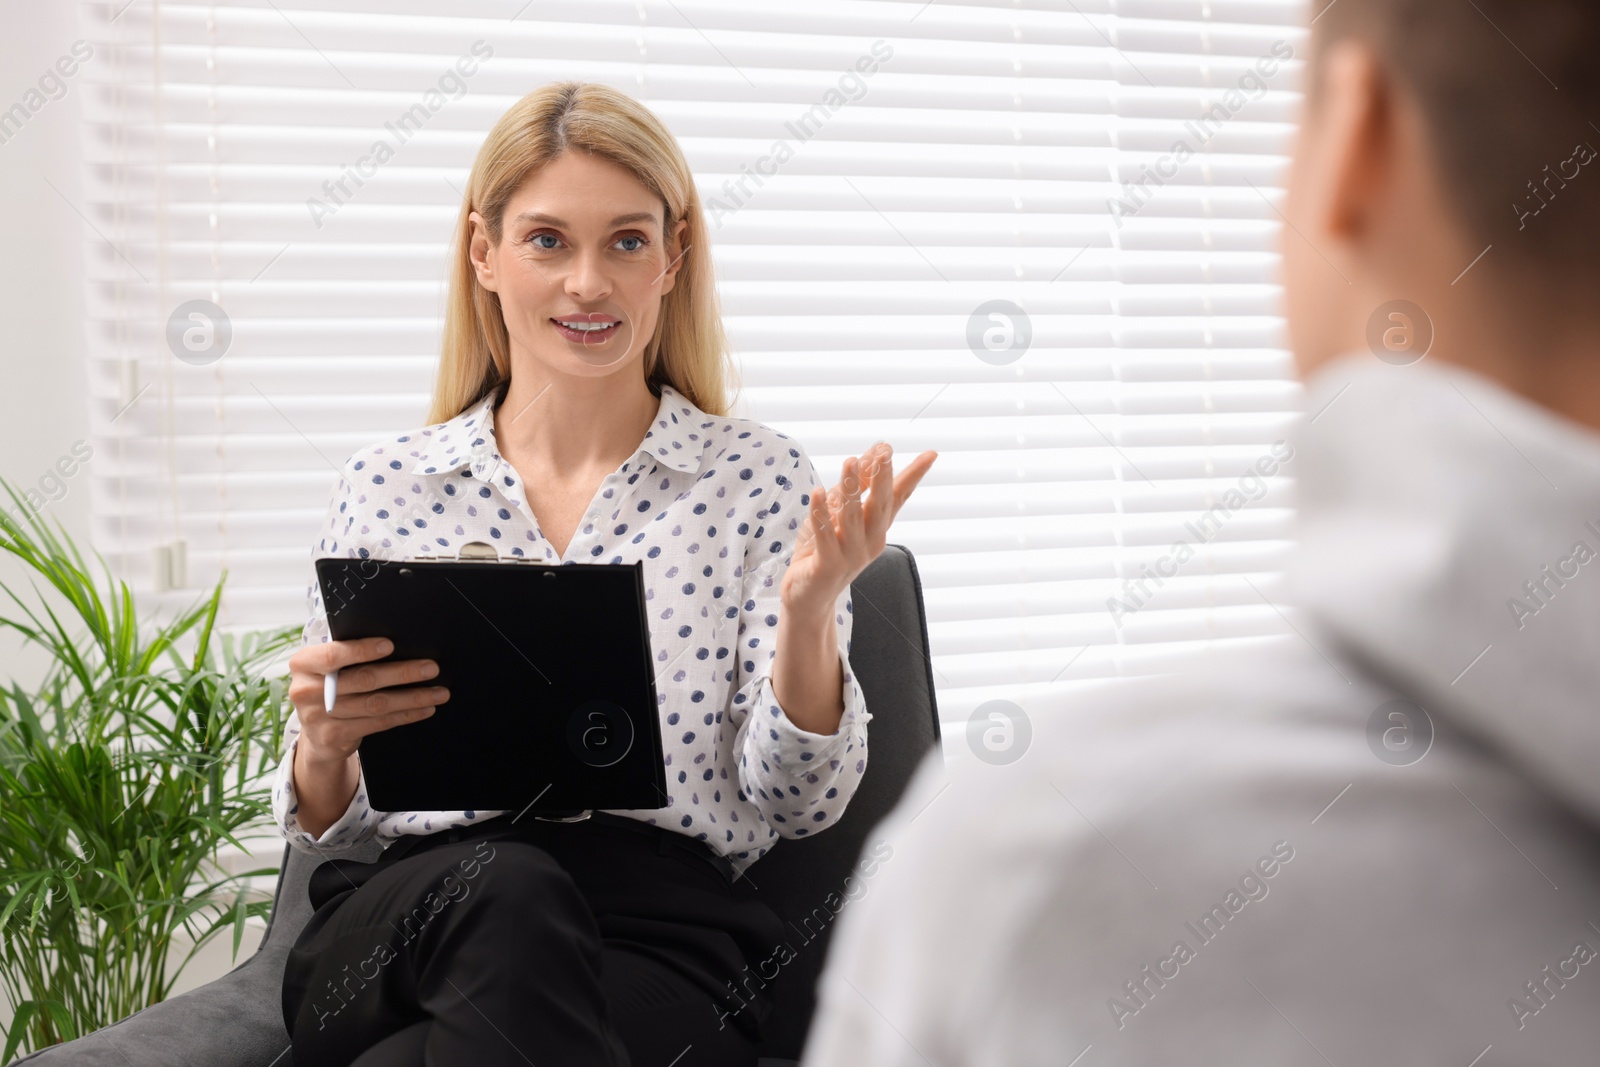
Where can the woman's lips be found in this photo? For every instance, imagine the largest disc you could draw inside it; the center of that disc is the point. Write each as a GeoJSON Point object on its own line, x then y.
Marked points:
{"type": "Point", "coordinates": [590, 328]}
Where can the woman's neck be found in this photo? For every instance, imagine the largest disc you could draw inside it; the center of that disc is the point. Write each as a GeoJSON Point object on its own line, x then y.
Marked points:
{"type": "Point", "coordinates": [569, 426]}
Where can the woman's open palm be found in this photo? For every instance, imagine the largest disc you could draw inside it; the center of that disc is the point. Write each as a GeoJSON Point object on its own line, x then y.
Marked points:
{"type": "Point", "coordinates": [847, 527]}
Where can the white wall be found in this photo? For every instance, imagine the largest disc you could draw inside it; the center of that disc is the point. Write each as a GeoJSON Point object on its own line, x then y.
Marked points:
{"type": "Point", "coordinates": [44, 406]}
{"type": "Point", "coordinates": [43, 403]}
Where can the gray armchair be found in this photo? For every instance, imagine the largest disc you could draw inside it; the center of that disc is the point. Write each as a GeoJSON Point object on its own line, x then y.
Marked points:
{"type": "Point", "coordinates": [237, 1021]}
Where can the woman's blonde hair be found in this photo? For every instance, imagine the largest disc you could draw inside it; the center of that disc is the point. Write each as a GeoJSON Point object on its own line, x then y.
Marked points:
{"type": "Point", "coordinates": [689, 350]}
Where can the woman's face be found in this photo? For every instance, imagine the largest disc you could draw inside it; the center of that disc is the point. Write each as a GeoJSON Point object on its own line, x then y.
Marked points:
{"type": "Point", "coordinates": [581, 266]}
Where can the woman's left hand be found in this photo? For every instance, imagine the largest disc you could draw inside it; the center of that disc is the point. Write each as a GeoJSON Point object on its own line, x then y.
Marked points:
{"type": "Point", "coordinates": [843, 532]}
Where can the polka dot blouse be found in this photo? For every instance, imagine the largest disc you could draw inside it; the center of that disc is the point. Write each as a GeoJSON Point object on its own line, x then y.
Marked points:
{"type": "Point", "coordinates": [711, 506]}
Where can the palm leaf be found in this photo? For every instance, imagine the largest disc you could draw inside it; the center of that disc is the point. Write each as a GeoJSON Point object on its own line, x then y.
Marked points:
{"type": "Point", "coordinates": [142, 753]}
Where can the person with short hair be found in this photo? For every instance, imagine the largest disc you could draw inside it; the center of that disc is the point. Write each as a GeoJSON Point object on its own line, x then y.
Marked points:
{"type": "Point", "coordinates": [1374, 841]}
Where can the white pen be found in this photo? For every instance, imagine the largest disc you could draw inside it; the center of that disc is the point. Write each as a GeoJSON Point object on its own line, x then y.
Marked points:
{"type": "Point", "coordinates": [330, 688]}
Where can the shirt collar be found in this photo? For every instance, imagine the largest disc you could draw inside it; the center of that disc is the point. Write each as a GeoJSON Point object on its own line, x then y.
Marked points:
{"type": "Point", "coordinates": [676, 438]}
{"type": "Point", "coordinates": [1427, 538]}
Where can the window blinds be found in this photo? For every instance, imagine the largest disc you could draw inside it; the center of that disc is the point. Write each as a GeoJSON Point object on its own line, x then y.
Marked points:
{"type": "Point", "coordinates": [1038, 237]}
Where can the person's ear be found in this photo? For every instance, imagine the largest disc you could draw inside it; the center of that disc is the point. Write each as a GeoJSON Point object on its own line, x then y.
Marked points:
{"type": "Point", "coordinates": [677, 252]}
{"type": "Point", "coordinates": [1357, 138]}
{"type": "Point", "coordinates": [478, 251]}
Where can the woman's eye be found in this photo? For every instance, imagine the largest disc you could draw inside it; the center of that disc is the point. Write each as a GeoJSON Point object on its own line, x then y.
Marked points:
{"type": "Point", "coordinates": [538, 239]}
{"type": "Point", "coordinates": [638, 243]}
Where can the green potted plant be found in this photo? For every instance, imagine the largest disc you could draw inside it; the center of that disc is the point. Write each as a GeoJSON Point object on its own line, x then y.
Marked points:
{"type": "Point", "coordinates": [123, 775]}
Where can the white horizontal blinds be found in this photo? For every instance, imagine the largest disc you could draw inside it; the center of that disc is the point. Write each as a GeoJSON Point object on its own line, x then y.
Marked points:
{"type": "Point", "coordinates": [980, 163]}
{"type": "Point", "coordinates": [874, 172]}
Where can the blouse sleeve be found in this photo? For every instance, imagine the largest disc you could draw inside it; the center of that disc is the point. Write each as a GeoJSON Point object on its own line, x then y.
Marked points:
{"type": "Point", "coordinates": [359, 822]}
{"type": "Point", "coordinates": [800, 780]}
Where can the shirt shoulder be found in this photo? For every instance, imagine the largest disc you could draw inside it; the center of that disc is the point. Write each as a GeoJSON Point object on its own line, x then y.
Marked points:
{"type": "Point", "coordinates": [381, 487]}
{"type": "Point", "coordinates": [749, 439]}
{"type": "Point", "coordinates": [1072, 887]}
{"type": "Point", "coordinates": [757, 469]}
{"type": "Point", "coordinates": [426, 449]}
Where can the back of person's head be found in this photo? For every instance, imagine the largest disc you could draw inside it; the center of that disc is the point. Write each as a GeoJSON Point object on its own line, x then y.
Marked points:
{"type": "Point", "coordinates": [1508, 89]}
{"type": "Point", "coordinates": [1448, 156]}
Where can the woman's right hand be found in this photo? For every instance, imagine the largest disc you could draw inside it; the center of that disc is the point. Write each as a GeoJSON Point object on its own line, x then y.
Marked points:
{"type": "Point", "coordinates": [326, 766]}
{"type": "Point", "coordinates": [370, 698]}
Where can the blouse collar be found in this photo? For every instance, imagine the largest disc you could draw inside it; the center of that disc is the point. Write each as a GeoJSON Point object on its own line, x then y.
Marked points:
{"type": "Point", "coordinates": [676, 437]}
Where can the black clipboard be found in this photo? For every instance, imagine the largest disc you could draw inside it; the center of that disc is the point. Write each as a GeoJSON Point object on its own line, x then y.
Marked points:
{"type": "Point", "coordinates": [552, 705]}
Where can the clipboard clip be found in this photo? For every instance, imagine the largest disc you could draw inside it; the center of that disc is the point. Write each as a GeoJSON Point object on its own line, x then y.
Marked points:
{"type": "Point", "coordinates": [475, 551]}
{"type": "Point", "coordinates": [579, 817]}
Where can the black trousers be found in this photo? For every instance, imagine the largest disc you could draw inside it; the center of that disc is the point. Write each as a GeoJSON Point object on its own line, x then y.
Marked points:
{"type": "Point", "coordinates": [603, 942]}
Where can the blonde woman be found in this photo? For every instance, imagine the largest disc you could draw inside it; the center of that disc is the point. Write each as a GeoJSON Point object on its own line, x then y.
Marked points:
{"type": "Point", "coordinates": [581, 415]}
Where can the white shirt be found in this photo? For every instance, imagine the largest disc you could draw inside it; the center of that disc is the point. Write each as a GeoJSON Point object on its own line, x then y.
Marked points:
{"type": "Point", "coordinates": [711, 506]}
{"type": "Point", "coordinates": [1268, 861]}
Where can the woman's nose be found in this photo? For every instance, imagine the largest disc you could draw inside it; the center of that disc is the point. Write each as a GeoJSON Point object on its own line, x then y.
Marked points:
{"type": "Point", "coordinates": [588, 279]}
